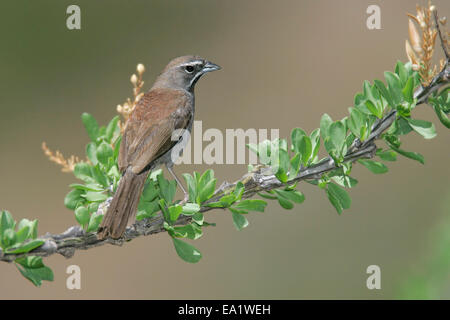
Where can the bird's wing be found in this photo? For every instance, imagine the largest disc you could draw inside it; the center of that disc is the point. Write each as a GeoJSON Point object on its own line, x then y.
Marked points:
{"type": "Point", "coordinates": [149, 130]}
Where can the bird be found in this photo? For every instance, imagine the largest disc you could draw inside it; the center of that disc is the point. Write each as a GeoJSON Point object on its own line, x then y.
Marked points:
{"type": "Point", "coordinates": [147, 140]}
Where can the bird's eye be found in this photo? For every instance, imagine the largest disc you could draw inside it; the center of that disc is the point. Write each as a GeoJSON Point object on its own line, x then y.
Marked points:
{"type": "Point", "coordinates": [189, 69]}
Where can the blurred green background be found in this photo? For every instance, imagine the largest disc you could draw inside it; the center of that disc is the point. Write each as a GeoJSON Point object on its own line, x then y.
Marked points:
{"type": "Point", "coordinates": [285, 63]}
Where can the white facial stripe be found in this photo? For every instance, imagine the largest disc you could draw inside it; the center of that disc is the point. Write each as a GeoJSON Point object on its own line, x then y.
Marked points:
{"type": "Point", "coordinates": [192, 63]}
{"type": "Point", "coordinates": [195, 79]}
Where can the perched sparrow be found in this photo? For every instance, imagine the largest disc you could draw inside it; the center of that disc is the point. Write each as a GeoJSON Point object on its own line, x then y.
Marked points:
{"type": "Point", "coordinates": [147, 140]}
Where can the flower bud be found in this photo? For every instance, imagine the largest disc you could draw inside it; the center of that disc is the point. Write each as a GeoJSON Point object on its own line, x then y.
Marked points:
{"type": "Point", "coordinates": [134, 79]}
{"type": "Point", "coordinates": [140, 68]}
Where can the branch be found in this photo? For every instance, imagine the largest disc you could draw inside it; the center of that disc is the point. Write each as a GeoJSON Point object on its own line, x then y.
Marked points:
{"type": "Point", "coordinates": [441, 37]}
{"type": "Point", "coordinates": [75, 238]}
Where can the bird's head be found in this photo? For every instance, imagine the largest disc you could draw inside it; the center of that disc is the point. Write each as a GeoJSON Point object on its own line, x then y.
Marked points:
{"type": "Point", "coordinates": [184, 72]}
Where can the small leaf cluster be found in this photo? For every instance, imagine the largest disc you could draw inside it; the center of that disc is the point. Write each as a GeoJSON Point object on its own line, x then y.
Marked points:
{"type": "Point", "coordinates": [200, 188]}
{"type": "Point", "coordinates": [286, 162]}
{"type": "Point", "coordinates": [371, 105]}
{"type": "Point", "coordinates": [17, 238]}
{"type": "Point", "coordinates": [441, 105]}
{"type": "Point", "coordinates": [99, 175]}
{"type": "Point", "coordinates": [238, 206]}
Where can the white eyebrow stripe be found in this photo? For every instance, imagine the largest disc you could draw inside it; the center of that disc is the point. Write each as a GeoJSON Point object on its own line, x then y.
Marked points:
{"type": "Point", "coordinates": [191, 63]}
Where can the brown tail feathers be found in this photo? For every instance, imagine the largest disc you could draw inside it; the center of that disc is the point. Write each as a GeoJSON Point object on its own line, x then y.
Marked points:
{"type": "Point", "coordinates": [123, 207]}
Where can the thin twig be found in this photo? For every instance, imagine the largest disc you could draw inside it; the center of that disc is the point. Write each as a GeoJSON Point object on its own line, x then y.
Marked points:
{"type": "Point", "coordinates": [441, 37]}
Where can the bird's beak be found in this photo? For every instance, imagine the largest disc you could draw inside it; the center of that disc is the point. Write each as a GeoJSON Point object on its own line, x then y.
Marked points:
{"type": "Point", "coordinates": [209, 66]}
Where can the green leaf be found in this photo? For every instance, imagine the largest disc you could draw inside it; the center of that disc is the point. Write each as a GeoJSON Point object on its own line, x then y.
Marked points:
{"type": "Point", "coordinates": [367, 91]}
{"type": "Point", "coordinates": [162, 205]}
{"type": "Point", "coordinates": [356, 122]}
{"type": "Point", "coordinates": [111, 128]}
{"type": "Point", "coordinates": [441, 103]}
{"type": "Point", "coordinates": [384, 92]}
{"type": "Point", "coordinates": [207, 191]}
{"type": "Point", "coordinates": [408, 91]}
{"type": "Point", "coordinates": [147, 209]}
{"type": "Point", "coordinates": [26, 247]}
{"type": "Point", "coordinates": [167, 189]}
{"type": "Point", "coordinates": [26, 229]}
{"type": "Point", "coordinates": [82, 215]}
{"type": "Point", "coordinates": [174, 212]}
{"type": "Point", "coordinates": [280, 143]}
{"type": "Point", "coordinates": [198, 218]}
{"type": "Point", "coordinates": [295, 166]}
{"type": "Point", "coordinates": [286, 204]}
{"type": "Point", "coordinates": [239, 190]}
{"type": "Point", "coordinates": [34, 270]}
{"type": "Point", "coordinates": [345, 181]}
{"type": "Point", "coordinates": [192, 186]}
{"type": "Point", "coordinates": [99, 176]}
{"type": "Point", "coordinates": [186, 251]}
{"type": "Point", "coordinates": [93, 207]}
{"type": "Point", "coordinates": [150, 191]}
{"type": "Point", "coordinates": [263, 150]}
{"type": "Point", "coordinates": [22, 234]}
{"type": "Point", "coordinates": [104, 152]}
{"type": "Point", "coordinates": [296, 135]}
{"type": "Point", "coordinates": [394, 85]}
{"type": "Point", "coordinates": [73, 199]}
{"type": "Point", "coordinates": [325, 123]}
{"type": "Point", "coordinates": [373, 109]}
{"type": "Point", "coordinates": [83, 171]}
{"type": "Point", "coordinates": [305, 149]}
{"type": "Point", "coordinates": [6, 221]}
{"type": "Point", "coordinates": [239, 221]}
{"type": "Point", "coordinates": [280, 164]}
{"type": "Point", "coordinates": [401, 71]}
{"type": "Point", "coordinates": [374, 166]}
{"type": "Point", "coordinates": [228, 200]}
{"type": "Point", "coordinates": [190, 209]}
{"type": "Point", "coordinates": [24, 223]}
{"type": "Point", "coordinates": [292, 195]}
{"type": "Point", "coordinates": [8, 238]}
{"type": "Point", "coordinates": [236, 210]}
{"type": "Point", "coordinates": [267, 196]}
{"type": "Point", "coordinates": [315, 142]}
{"type": "Point", "coordinates": [91, 126]}
{"type": "Point", "coordinates": [216, 204]}
{"type": "Point", "coordinates": [335, 142]}
{"type": "Point", "coordinates": [387, 155]}
{"type": "Point", "coordinates": [33, 229]}
{"type": "Point", "coordinates": [409, 154]}
{"type": "Point", "coordinates": [94, 222]}
{"type": "Point", "coordinates": [206, 177]}
{"type": "Point", "coordinates": [441, 115]}
{"type": "Point", "coordinates": [190, 231]}
{"type": "Point", "coordinates": [92, 196]}
{"type": "Point", "coordinates": [424, 128]}
{"type": "Point", "coordinates": [251, 205]}
{"type": "Point", "coordinates": [91, 152]}
{"type": "Point", "coordinates": [401, 126]}
{"type": "Point", "coordinates": [87, 187]}
{"type": "Point", "coordinates": [338, 197]}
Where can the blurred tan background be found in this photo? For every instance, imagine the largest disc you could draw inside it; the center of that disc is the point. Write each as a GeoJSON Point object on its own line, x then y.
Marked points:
{"type": "Point", "coordinates": [285, 63]}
